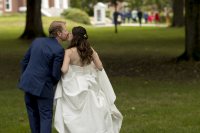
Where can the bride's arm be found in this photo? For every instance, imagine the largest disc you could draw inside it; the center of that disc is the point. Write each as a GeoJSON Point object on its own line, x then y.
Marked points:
{"type": "Point", "coordinates": [97, 60]}
{"type": "Point", "coordinates": [66, 61]}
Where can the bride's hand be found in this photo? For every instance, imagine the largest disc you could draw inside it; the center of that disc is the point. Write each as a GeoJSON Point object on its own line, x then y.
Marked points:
{"type": "Point", "coordinates": [70, 37]}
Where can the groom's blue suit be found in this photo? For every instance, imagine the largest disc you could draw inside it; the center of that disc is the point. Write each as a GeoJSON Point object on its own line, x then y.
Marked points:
{"type": "Point", "coordinates": [41, 70]}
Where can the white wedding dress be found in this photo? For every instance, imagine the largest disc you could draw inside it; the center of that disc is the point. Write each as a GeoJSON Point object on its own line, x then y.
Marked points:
{"type": "Point", "coordinates": [84, 102]}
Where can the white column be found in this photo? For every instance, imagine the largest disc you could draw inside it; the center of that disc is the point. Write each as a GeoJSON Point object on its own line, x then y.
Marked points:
{"type": "Point", "coordinates": [45, 3]}
{"type": "Point", "coordinates": [65, 4]}
{"type": "Point", "coordinates": [57, 3]}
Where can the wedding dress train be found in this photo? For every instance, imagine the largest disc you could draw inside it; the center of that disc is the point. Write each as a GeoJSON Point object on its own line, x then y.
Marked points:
{"type": "Point", "coordinates": [84, 102]}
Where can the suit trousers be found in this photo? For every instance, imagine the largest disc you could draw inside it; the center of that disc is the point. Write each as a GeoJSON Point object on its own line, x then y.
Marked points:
{"type": "Point", "coordinates": [40, 112]}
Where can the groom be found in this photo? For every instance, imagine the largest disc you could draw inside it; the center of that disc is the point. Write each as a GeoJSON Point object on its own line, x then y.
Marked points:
{"type": "Point", "coordinates": [41, 70]}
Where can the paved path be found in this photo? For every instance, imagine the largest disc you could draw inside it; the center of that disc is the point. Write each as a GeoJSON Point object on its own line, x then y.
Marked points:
{"type": "Point", "coordinates": [133, 24]}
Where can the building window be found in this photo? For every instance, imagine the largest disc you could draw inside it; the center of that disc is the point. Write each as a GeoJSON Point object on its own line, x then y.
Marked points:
{"type": "Point", "coordinates": [8, 5]}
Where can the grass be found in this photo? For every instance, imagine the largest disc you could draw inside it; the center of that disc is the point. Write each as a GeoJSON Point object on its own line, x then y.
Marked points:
{"type": "Point", "coordinates": [159, 107]}
{"type": "Point", "coordinates": [154, 94]}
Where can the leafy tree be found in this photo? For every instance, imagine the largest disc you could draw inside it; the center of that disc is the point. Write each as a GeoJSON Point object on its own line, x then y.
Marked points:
{"type": "Point", "coordinates": [76, 3]}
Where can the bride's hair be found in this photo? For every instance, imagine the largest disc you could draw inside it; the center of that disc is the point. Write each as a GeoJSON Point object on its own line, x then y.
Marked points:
{"type": "Point", "coordinates": [81, 43]}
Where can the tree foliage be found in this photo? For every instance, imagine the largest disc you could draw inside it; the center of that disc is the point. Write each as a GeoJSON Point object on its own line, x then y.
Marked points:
{"type": "Point", "coordinates": [144, 3]}
{"type": "Point", "coordinates": [76, 15]}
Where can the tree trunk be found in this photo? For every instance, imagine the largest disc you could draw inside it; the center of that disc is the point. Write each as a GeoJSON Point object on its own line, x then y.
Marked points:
{"type": "Point", "coordinates": [192, 31]}
{"type": "Point", "coordinates": [178, 17]}
{"type": "Point", "coordinates": [33, 20]}
{"type": "Point", "coordinates": [115, 15]}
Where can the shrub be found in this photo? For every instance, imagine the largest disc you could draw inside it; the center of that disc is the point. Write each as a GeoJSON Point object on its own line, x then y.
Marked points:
{"type": "Point", "coordinates": [76, 15]}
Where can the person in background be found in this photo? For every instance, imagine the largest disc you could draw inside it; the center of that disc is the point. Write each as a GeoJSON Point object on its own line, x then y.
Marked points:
{"type": "Point", "coordinates": [140, 16]}
{"type": "Point", "coordinates": [134, 15]}
{"type": "Point", "coordinates": [157, 17]}
{"type": "Point", "coordinates": [146, 17]}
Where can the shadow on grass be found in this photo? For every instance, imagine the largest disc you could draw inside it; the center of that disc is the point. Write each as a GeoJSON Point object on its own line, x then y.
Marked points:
{"type": "Point", "coordinates": [152, 68]}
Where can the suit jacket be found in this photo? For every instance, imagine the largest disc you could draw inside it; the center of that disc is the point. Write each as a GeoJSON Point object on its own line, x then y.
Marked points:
{"type": "Point", "coordinates": [41, 67]}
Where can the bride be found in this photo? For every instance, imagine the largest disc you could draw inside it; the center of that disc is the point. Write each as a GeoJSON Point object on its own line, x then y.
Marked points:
{"type": "Point", "coordinates": [84, 98]}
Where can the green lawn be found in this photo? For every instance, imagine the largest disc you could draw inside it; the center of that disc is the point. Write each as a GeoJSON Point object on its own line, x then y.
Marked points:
{"type": "Point", "coordinates": [154, 93]}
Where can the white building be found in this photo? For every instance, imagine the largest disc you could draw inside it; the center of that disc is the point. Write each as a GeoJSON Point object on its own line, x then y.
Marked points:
{"type": "Point", "coordinates": [49, 7]}
{"type": "Point", "coordinates": [100, 13]}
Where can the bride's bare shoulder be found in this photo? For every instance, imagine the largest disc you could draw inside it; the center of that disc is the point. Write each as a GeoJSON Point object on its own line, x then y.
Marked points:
{"type": "Point", "coordinates": [74, 49]}
{"type": "Point", "coordinates": [68, 51]}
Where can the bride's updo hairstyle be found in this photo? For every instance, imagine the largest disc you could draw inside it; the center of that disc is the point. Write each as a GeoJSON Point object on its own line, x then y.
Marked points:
{"type": "Point", "coordinates": [80, 41]}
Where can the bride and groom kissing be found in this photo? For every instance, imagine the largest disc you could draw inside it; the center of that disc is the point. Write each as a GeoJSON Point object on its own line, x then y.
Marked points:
{"type": "Point", "coordinates": [71, 81]}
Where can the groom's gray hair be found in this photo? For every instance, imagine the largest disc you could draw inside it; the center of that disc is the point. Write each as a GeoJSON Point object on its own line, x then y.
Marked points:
{"type": "Point", "coordinates": [55, 26]}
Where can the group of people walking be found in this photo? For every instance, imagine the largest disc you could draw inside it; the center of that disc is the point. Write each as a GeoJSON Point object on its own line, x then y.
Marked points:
{"type": "Point", "coordinates": [135, 16]}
